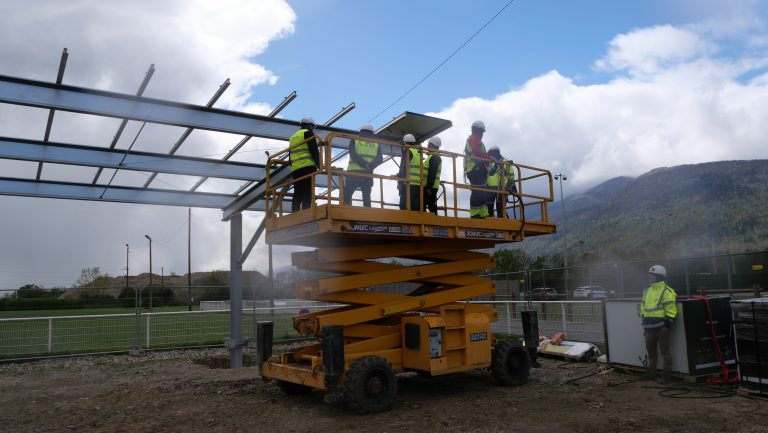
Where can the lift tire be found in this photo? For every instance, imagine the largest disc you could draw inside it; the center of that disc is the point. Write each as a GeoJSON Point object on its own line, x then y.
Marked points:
{"type": "Point", "coordinates": [510, 363]}
{"type": "Point", "coordinates": [290, 388]}
{"type": "Point", "coordinates": [370, 385]}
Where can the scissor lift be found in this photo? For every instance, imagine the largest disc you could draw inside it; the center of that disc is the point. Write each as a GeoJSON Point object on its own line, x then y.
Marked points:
{"type": "Point", "coordinates": [375, 334]}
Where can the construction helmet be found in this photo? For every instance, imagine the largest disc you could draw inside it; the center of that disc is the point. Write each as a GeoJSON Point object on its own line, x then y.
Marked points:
{"type": "Point", "coordinates": [366, 127]}
{"type": "Point", "coordinates": [658, 270]}
{"type": "Point", "coordinates": [308, 120]}
{"type": "Point", "coordinates": [494, 149]}
{"type": "Point", "coordinates": [409, 138]}
{"type": "Point", "coordinates": [478, 124]}
{"type": "Point", "coordinates": [435, 142]}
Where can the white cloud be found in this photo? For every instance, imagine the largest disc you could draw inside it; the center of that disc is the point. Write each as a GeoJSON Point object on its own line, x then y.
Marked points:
{"type": "Point", "coordinates": [650, 50]}
{"type": "Point", "coordinates": [679, 104]}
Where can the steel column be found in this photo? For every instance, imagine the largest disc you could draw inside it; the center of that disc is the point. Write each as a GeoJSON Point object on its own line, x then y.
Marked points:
{"type": "Point", "coordinates": [235, 341]}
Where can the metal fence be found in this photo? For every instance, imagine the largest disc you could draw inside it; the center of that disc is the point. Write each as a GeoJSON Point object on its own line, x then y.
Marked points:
{"type": "Point", "coordinates": [738, 275]}
{"type": "Point", "coordinates": [40, 337]}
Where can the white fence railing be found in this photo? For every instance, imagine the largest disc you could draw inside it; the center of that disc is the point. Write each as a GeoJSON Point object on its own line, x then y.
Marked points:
{"type": "Point", "coordinates": [39, 337]}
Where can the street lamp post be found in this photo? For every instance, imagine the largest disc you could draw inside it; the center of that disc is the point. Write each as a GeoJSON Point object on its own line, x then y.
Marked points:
{"type": "Point", "coordinates": [561, 177]}
{"type": "Point", "coordinates": [150, 270]}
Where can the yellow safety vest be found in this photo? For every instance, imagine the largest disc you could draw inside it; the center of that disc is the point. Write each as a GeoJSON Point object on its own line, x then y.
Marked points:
{"type": "Point", "coordinates": [493, 179]}
{"type": "Point", "coordinates": [367, 150]}
{"type": "Point", "coordinates": [414, 167]}
{"type": "Point", "coordinates": [300, 156]}
{"type": "Point", "coordinates": [470, 160]}
{"type": "Point", "coordinates": [436, 184]}
{"type": "Point", "coordinates": [658, 302]}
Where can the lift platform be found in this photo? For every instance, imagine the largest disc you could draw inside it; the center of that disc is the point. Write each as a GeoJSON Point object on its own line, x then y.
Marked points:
{"type": "Point", "coordinates": [398, 280]}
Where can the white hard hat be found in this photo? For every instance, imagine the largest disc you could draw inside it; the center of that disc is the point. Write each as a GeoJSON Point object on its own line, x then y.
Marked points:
{"type": "Point", "coordinates": [658, 270]}
{"type": "Point", "coordinates": [409, 138]}
{"type": "Point", "coordinates": [494, 148]}
{"type": "Point", "coordinates": [366, 127]}
{"type": "Point", "coordinates": [308, 120]}
{"type": "Point", "coordinates": [479, 125]}
{"type": "Point", "coordinates": [435, 141]}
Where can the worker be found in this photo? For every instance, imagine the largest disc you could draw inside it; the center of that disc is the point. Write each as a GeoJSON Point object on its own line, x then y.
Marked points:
{"type": "Point", "coordinates": [434, 166]}
{"type": "Point", "coordinates": [496, 177]}
{"type": "Point", "coordinates": [364, 157]}
{"type": "Point", "coordinates": [304, 157]}
{"type": "Point", "coordinates": [410, 175]}
{"type": "Point", "coordinates": [658, 311]}
{"type": "Point", "coordinates": [476, 170]}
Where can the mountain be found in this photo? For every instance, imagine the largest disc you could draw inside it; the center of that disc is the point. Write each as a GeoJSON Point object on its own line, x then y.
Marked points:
{"type": "Point", "coordinates": [682, 211]}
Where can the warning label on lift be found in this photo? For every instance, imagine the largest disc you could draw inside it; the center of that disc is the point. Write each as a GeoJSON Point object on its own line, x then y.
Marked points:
{"type": "Point", "coordinates": [379, 228]}
{"type": "Point", "coordinates": [440, 231]}
{"type": "Point", "coordinates": [478, 336]}
{"type": "Point", "coordinates": [484, 234]}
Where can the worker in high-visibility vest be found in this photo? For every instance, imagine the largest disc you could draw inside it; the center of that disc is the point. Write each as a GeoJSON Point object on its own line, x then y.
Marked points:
{"type": "Point", "coordinates": [476, 170]}
{"type": "Point", "coordinates": [658, 311]}
{"type": "Point", "coordinates": [434, 167]}
{"type": "Point", "coordinates": [501, 177]}
{"type": "Point", "coordinates": [364, 157]}
{"type": "Point", "coordinates": [410, 175]}
{"type": "Point", "coordinates": [305, 159]}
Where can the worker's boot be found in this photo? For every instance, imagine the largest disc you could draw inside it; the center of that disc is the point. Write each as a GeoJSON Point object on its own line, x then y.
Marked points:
{"type": "Point", "coordinates": [664, 378]}
{"type": "Point", "coordinates": [648, 375]}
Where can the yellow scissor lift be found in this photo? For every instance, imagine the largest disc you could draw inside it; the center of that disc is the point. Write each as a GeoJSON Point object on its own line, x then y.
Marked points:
{"type": "Point", "coordinates": [376, 332]}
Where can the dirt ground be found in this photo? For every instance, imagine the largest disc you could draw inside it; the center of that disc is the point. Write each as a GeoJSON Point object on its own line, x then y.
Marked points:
{"type": "Point", "coordinates": [177, 392]}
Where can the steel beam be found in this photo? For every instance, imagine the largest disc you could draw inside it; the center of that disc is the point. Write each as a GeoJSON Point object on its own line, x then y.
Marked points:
{"type": "Point", "coordinates": [49, 124]}
{"type": "Point", "coordinates": [188, 131]}
{"type": "Point", "coordinates": [41, 94]}
{"type": "Point", "coordinates": [32, 150]}
{"type": "Point", "coordinates": [340, 114]}
{"type": "Point", "coordinates": [245, 139]}
{"type": "Point", "coordinates": [119, 194]}
{"type": "Point", "coordinates": [121, 128]}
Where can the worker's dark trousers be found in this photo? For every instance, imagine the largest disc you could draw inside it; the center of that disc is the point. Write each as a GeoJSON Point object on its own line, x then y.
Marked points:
{"type": "Point", "coordinates": [302, 190]}
{"type": "Point", "coordinates": [415, 199]}
{"type": "Point", "coordinates": [352, 183]}
{"type": "Point", "coordinates": [430, 198]}
{"type": "Point", "coordinates": [477, 178]}
{"type": "Point", "coordinates": [658, 340]}
{"type": "Point", "coordinates": [496, 199]}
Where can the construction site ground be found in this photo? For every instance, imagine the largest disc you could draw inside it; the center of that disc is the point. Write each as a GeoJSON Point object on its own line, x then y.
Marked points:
{"type": "Point", "coordinates": [189, 391]}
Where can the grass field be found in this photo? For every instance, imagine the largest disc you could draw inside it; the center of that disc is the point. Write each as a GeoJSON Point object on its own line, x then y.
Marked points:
{"type": "Point", "coordinates": [38, 333]}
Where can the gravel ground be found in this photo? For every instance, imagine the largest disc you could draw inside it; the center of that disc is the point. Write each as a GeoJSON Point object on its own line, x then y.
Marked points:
{"type": "Point", "coordinates": [178, 391]}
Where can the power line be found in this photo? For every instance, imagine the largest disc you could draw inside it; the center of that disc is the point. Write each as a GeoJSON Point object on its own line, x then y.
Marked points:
{"type": "Point", "coordinates": [443, 62]}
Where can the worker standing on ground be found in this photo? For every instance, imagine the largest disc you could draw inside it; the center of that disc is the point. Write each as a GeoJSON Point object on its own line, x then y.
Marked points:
{"type": "Point", "coordinates": [364, 157]}
{"type": "Point", "coordinates": [410, 173]}
{"type": "Point", "coordinates": [476, 170]}
{"type": "Point", "coordinates": [434, 166]}
{"type": "Point", "coordinates": [305, 159]}
{"type": "Point", "coordinates": [658, 310]}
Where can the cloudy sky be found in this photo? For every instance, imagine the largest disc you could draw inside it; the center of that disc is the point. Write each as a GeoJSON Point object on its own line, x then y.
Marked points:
{"type": "Point", "coordinates": [592, 89]}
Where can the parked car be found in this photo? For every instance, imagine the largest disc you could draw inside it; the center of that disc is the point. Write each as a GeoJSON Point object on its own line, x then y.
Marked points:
{"type": "Point", "coordinates": [542, 294]}
{"type": "Point", "coordinates": [592, 292]}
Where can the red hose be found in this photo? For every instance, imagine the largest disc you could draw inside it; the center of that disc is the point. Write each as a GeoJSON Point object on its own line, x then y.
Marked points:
{"type": "Point", "coordinates": [720, 357]}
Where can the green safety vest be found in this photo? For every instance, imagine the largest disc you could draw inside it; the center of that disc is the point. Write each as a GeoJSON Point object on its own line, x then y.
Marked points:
{"type": "Point", "coordinates": [658, 302]}
{"type": "Point", "coordinates": [300, 156]}
{"type": "Point", "coordinates": [470, 161]}
{"type": "Point", "coordinates": [436, 185]}
{"type": "Point", "coordinates": [367, 150]}
{"type": "Point", "coordinates": [496, 179]}
{"type": "Point", "coordinates": [414, 167]}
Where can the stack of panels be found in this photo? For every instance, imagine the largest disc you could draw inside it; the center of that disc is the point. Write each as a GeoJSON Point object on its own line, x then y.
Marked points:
{"type": "Point", "coordinates": [750, 323]}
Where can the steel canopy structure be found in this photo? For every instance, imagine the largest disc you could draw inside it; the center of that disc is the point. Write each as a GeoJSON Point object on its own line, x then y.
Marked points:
{"type": "Point", "coordinates": [55, 96]}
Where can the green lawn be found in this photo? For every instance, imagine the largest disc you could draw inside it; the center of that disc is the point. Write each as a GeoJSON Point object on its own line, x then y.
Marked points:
{"type": "Point", "coordinates": [29, 337]}
{"type": "Point", "coordinates": [88, 311]}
